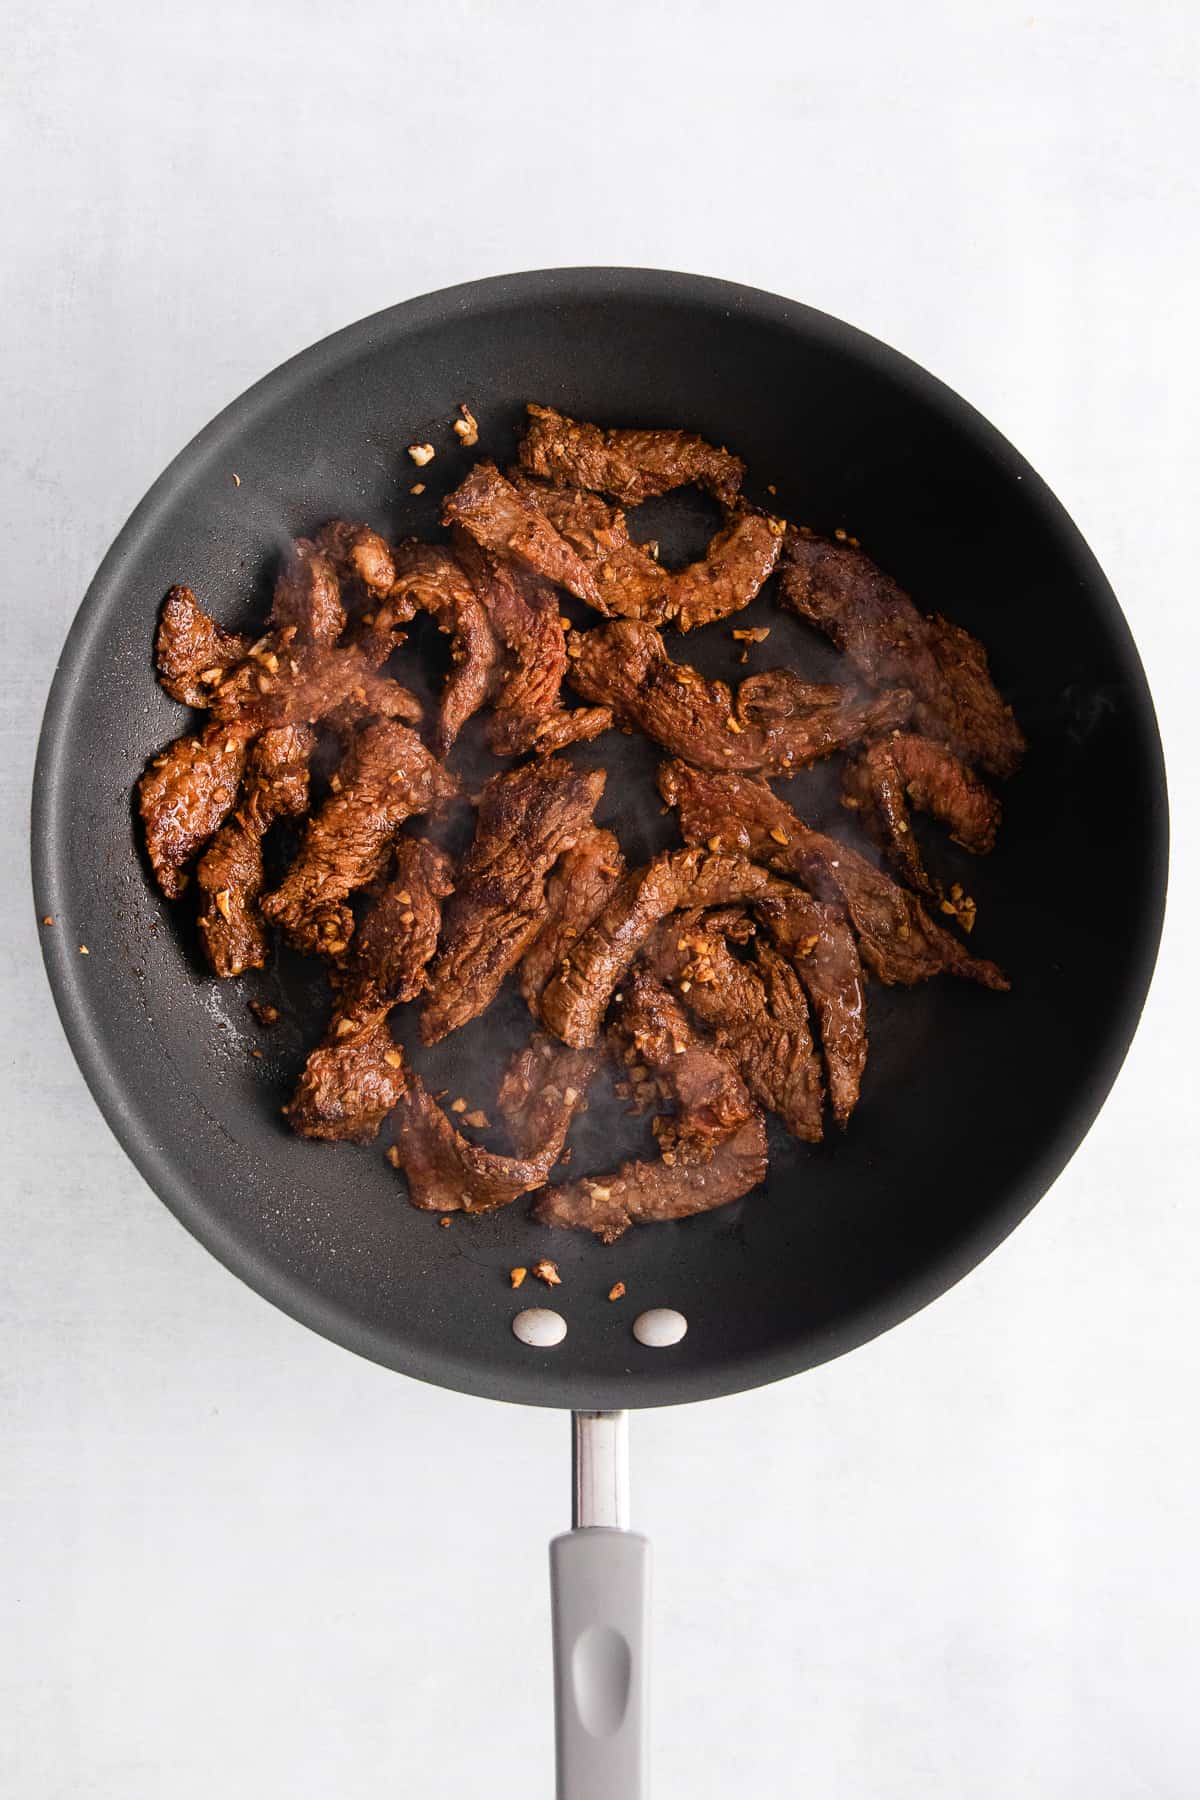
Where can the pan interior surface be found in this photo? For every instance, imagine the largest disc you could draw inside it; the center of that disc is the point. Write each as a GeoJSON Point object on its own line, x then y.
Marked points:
{"type": "Point", "coordinates": [973, 1101]}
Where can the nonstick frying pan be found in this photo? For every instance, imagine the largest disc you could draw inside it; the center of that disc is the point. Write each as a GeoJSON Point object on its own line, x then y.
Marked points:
{"type": "Point", "coordinates": [973, 1101]}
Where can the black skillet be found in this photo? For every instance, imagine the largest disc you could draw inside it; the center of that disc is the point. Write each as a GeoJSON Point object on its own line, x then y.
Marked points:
{"type": "Point", "coordinates": [973, 1101]}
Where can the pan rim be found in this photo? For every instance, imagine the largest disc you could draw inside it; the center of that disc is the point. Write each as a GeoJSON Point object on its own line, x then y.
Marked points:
{"type": "Point", "coordinates": [543, 1384]}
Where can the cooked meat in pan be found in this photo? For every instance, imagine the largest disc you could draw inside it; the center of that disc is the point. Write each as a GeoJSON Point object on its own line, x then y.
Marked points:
{"type": "Point", "coordinates": [725, 978]}
{"type": "Point", "coordinates": [506, 523]}
{"type": "Point", "coordinates": [903, 769]}
{"type": "Point", "coordinates": [445, 1172]}
{"type": "Point", "coordinates": [581, 882]}
{"type": "Point", "coordinates": [575, 1001]}
{"type": "Point", "coordinates": [631, 584]}
{"type": "Point", "coordinates": [755, 1010]}
{"type": "Point", "coordinates": [230, 873]}
{"type": "Point", "coordinates": [775, 725]}
{"type": "Point", "coordinates": [840, 590]}
{"type": "Point", "coordinates": [191, 651]}
{"type": "Point", "coordinates": [897, 939]}
{"type": "Point", "coordinates": [525, 615]}
{"type": "Point", "coordinates": [630, 465]}
{"type": "Point", "coordinates": [527, 817]}
{"type": "Point", "coordinates": [713, 1148]}
{"type": "Point", "coordinates": [386, 777]}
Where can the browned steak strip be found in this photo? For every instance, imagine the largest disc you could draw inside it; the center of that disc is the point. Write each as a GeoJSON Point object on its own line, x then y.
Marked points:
{"type": "Point", "coordinates": [630, 465]}
{"type": "Point", "coordinates": [820, 947]}
{"type": "Point", "coordinates": [902, 768]}
{"type": "Point", "coordinates": [776, 723]}
{"type": "Point", "coordinates": [445, 1172]}
{"type": "Point", "coordinates": [580, 883]}
{"type": "Point", "coordinates": [840, 590]}
{"type": "Point", "coordinates": [230, 873]}
{"type": "Point", "coordinates": [713, 1149]}
{"type": "Point", "coordinates": [631, 584]}
{"type": "Point", "coordinates": [575, 1001]}
{"type": "Point", "coordinates": [898, 940]}
{"type": "Point", "coordinates": [428, 578]}
{"type": "Point", "coordinates": [386, 776]}
{"type": "Point", "coordinates": [350, 1083]}
{"type": "Point", "coordinates": [524, 614]}
{"type": "Point", "coordinates": [506, 523]}
{"type": "Point", "coordinates": [360, 555]}
{"type": "Point", "coordinates": [185, 794]}
{"type": "Point", "coordinates": [527, 817]}
{"type": "Point", "coordinates": [298, 684]}
{"type": "Point", "coordinates": [191, 651]}
{"type": "Point", "coordinates": [757, 1012]}
{"type": "Point", "coordinates": [308, 596]}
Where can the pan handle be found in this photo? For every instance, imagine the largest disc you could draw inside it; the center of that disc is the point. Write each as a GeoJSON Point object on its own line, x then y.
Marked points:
{"type": "Point", "coordinates": [600, 1594]}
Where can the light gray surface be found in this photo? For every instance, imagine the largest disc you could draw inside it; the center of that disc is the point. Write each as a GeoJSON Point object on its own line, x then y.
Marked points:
{"type": "Point", "coordinates": [958, 1563]}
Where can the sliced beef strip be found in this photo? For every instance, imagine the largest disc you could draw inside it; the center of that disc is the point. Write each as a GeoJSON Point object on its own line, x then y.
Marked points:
{"type": "Point", "coordinates": [757, 1012]}
{"type": "Point", "coordinates": [819, 945]}
{"type": "Point", "coordinates": [186, 793]}
{"type": "Point", "coordinates": [356, 1075]}
{"type": "Point", "coordinates": [386, 777]}
{"type": "Point", "coordinates": [581, 882]}
{"type": "Point", "coordinates": [359, 555]}
{"type": "Point", "coordinates": [775, 725]}
{"type": "Point", "coordinates": [631, 584]}
{"type": "Point", "coordinates": [506, 523]}
{"type": "Point", "coordinates": [905, 768]}
{"type": "Point", "coordinates": [445, 1172]}
{"type": "Point", "coordinates": [527, 817]}
{"type": "Point", "coordinates": [286, 683]}
{"type": "Point", "coordinates": [871, 618]}
{"type": "Point", "coordinates": [308, 596]}
{"type": "Point", "coordinates": [631, 465]}
{"type": "Point", "coordinates": [897, 939]}
{"type": "Point", "coordinates": [575, 1001]}
{"type": "Point", "coordinates": [230, 873]}
{"type": "Point", "coordinates": [524, 612]}
{"type": "Point", "coordinates": [430, 579]}
{"type": "Point", "coordinates": [713, 1149]}
{"type": "Point", "coordinates": [191, 651]}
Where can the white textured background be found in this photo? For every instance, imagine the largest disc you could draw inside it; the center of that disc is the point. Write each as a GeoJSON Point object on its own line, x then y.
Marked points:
{"type": "Point", "coordinates": [242, 1563]}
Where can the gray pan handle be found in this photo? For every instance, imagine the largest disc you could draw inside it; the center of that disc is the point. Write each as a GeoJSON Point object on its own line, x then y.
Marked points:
{"type": "Point", "coordinates": [600, 1595]}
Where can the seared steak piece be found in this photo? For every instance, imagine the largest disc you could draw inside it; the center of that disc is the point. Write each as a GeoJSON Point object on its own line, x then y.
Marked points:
{"type": "Point", "coordinates": [527, 817]}
{"type": "Point", "coordinates": [775, 725]}
{"type": "Point", "coordinates": [308, 596]}
{"type": "Point", "coordinates": [447, 1173]}
{"type": "Point", "coordinates": [713, 1149]}
{"type": "Point", "coordinates": [191, 651]}
{"type": "Point", "coordinates": [359, 555]}
{"type": "Point", "coordinates": [283, 683]}
{"type": "Point", "coordinates": [898, 940]}
{"type": "Point", "coordinates": [904, 768]}
{"type": "Point", "coordinates": [575, 1001]}
{"type": "Point", "coordinates": [581, 882]}
{"type": "Point", "coordinates": [428, 578]}
{"type": "Point", "coordinates": [230, 873]}
{"type": "Point", "coordinates": [523, 610]}
{"type": "Point", "coordinates": [387, 776]}
{"type": "Point", "coordinates": [186, 793]}
{"type": "Point", "coordinates": [630, 465]}
{"type": "Point", "coordinates": [757, 1012]}
{"type": "Point", "coordinates": [840, 590]}
{"type": "Point", "coordinates": [631, 584]}
{"type": "Point", "coordinates": [506, 523]}
{"type": "Point", "coordinates": [356, 1075]}
{"type": "Point", "coordinates": [820, 947]}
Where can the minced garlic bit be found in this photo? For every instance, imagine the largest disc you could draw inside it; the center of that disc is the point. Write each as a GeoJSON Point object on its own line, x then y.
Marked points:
{"type": "Point", "coordinates": [731, 724]}
{"type": "Point", "coordinates": [757, 634]}
{"type": "Point", "coordinates": [444, 1223]}
{"type": "Point", "coordinates": [617, 1291]}
{"type": "Point", "coordinates": [547, 1271]}
{"type": "Point", "coordinates": [393, 1059]}
{"type": "Point", "coordinates": [771, 488]}
{"type": "Point", "coordinates": [565, 623]}
{"type": "Point", "coordinates": [479, 1120]}
{"type": "Point", "coordinates": [781, 837]}
{"type": "Point", "coordinates": [459, 1105]}
{"type": "Point", "coordinates": [466, 428]}
{"type": "Point", "coordinates": [48, 919]}
{"type": "Point", "coordinates": [516, 1277]}
{"type": "Point", "coordinates": [422, 454]}
{"type": "Point", "coordinates": [84, 951]}
{"type": "Point", "coordinates": [418, 487]}
{"type": "Point", "coordinates": [221, 899]}
{"type": "Point", "coordinates": [237, 481]}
